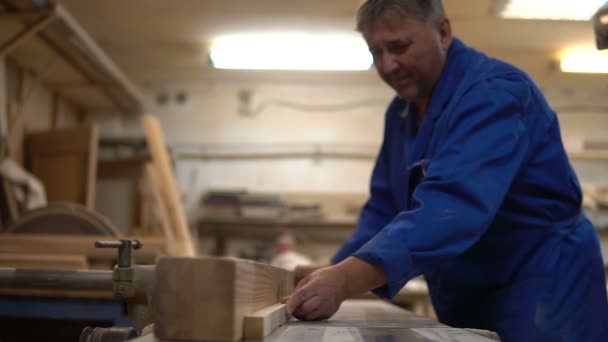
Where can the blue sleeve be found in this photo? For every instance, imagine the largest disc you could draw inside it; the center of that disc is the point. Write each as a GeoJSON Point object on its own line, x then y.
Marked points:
{"type": "Point", "coordinates": [466, 182]}
{"type": "Point", "coordinates": [379, 208]}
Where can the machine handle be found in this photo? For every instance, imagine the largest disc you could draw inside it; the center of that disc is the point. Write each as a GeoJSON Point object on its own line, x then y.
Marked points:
{"type": "Point", "coordinates": [124, 249]}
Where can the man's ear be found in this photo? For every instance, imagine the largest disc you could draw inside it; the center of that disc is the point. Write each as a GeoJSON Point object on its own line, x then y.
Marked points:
{"type": "Point", "coordinates": [445, 32]}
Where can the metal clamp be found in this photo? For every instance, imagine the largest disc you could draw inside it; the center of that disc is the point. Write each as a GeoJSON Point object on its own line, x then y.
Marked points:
{"type": "Point", "coordinates": [124, 249]}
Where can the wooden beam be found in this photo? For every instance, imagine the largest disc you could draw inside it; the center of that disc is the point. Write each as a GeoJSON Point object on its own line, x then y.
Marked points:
{"type": "Point", "coordinates": [55, 111]}
{"type": "Point", "coordinates": [168, 186]}
{"type": "Point", "coordinates": [99, 54]}
{"type": "Point", "coordinates": [80, 84]}
{"type": "Point", "coordinates": [262, 323]}
{"type": "Point", "coordinates": [27, 32]}
{"type": "Point", "coordinates": [73, 62]}
{"type": "Point", "coordinates": [165, 223]}
{"type": "Point", "coordinates": [207, 299]}
{"type": "Point", "coordinates": [3, 101]}
{"type": "Point", "coordinates": [91, 177]}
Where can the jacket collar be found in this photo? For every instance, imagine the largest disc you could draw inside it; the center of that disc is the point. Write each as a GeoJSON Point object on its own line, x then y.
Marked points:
{"type": "Point", "coordinates": [449, 80]}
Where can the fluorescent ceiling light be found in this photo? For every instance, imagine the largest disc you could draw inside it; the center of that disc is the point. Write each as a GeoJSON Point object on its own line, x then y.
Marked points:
{"type": "Point", "coordinates": [549, 9]}
{"type": "Point", "coordinates": [584, 60]}
{"type": "Point", "coordinates": [291, 51]}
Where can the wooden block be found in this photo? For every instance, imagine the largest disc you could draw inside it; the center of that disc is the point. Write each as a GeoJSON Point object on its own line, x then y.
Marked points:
{"type": "Point", "coordinates": [44, 261]}
{"type": "Point", "coordinates": [207, 299]}
{"type": "Point", "coordinates": [261, 323]}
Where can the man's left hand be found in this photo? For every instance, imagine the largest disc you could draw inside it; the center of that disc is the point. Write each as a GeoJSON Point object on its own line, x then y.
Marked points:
{"type": "Point", "coordinates": [319, 295]}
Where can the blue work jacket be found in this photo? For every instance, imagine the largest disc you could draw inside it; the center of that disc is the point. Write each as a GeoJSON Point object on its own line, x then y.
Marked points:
{"type": "Point", "coordinates": [482, 200]}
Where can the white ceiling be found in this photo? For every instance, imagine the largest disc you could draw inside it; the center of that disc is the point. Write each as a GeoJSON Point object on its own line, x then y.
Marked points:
{"type": "Point", "coordinates": [157, 41]}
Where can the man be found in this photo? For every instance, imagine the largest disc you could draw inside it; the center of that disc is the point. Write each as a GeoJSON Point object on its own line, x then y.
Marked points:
{"type": "Point", "coordinates": [472, 189]}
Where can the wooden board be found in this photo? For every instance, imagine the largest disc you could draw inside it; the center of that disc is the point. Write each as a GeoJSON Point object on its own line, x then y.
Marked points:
{"type": "Point", "coordinates": [15, 132]}
{"type": "Point", "coordinates": [9, 211]}
{"type": "Point", "coordinates": [44, 261]}
{"type": "Point", "coordinates": [3, 103]}
{"type": "Point", "coordinates": [66, 163]}
{"type": "Point", "coordinates": [165, 223]}
{"type": "Point", "coordinates": [78, 245]}
{"type": "Point", "coordinates": [207, 299]}
{"type": "Point", "coordinates": [262, 323]}
{"type": "Point", "coordinates": [168, 186]}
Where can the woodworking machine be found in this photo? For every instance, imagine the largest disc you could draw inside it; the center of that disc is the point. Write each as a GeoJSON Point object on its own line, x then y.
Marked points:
{"type": "Point", "coordinates": [131, 283]}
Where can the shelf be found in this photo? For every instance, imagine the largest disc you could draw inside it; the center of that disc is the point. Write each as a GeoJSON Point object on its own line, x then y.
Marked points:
{"type": "Point", "coordinates": [589, 155]}
{"type": "Point", "coordinates": [49, 43]}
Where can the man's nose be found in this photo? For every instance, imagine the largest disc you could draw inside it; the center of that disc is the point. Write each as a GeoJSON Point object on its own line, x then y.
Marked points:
{"type": "Point", "coordinates": [389, 64]}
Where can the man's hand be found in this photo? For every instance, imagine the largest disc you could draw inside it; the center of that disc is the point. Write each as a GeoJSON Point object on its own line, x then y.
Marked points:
{"type": "Point", "coordinates": [319, 295]}
{"type": "Point", "coordinates": [301, 272]}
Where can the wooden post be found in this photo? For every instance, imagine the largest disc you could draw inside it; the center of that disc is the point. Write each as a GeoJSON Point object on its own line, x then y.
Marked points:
{"type": "Point", "coordinates": [168, 186]}
{"type": "Point", "coordinates": [3, 104]}
{"type": "Point", "coordinates": [162, 208]}
{"type": "Point", "coordinates": [55, 111]}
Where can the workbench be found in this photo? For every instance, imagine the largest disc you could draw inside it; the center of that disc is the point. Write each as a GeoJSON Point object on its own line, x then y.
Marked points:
{"type": "Point", "coordinates": [367, 321]}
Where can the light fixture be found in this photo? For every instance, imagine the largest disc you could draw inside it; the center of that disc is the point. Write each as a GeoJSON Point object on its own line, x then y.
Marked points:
{"type": "Point", "coordinates": [291, 51]}
{"type": "Point", "coordinates": [584, 59]}
{"type": "Point", "coordinates": [548, 9]}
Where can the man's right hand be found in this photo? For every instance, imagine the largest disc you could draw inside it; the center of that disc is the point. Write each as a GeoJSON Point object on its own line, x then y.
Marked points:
{"type": "Point", "coordinates": [301, 272]}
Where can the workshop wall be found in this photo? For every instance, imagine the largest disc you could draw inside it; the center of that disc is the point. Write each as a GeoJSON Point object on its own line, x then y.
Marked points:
{"type": "Point", "coordinates": [258, 118]}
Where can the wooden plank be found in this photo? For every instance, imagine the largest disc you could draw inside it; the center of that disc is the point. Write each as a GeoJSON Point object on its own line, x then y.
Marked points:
{"type": "Point", "coordinates": [3, 101]}
{"type": "Point", "coordinates": [55, 102]}
{"type": "Point", "coordinates": [66, 162]}
{"type": "Point", "coordinates": [79, 245]}
{"type": "Point", "coordinates": [262, 323]}
{"type": "Point", "coordinates": [6, 193]}
{"type": "Point", "coordinates": [207, 299]}
{"type": "Point", "coordinates": [15, 133]}
{"type": "Point", "coordinates": [168, 186]}
{"type": "Point", "coordinates": [589, 155]}
{"type": "Point", "coordinates": [44, 261]}
{"type": "Point", "coordinates": [162, 212]}
{"type": "Point", "coordinates": [97, 294]}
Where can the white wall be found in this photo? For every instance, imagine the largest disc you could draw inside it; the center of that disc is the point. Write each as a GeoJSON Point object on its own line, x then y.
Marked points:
{"type": "Point", "coordinates": [214, 115]}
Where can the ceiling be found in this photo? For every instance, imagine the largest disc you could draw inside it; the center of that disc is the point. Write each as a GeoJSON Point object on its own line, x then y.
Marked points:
{"type": "Point", "coordinates": [159, 41]}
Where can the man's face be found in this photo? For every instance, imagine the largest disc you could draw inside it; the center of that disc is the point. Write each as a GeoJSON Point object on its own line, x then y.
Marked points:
{"type": "Point", "coordinates": [408, 54]}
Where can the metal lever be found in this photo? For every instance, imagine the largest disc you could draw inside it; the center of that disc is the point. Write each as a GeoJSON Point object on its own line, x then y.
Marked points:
{"type": "Point", "coordinates": [124, 249]}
